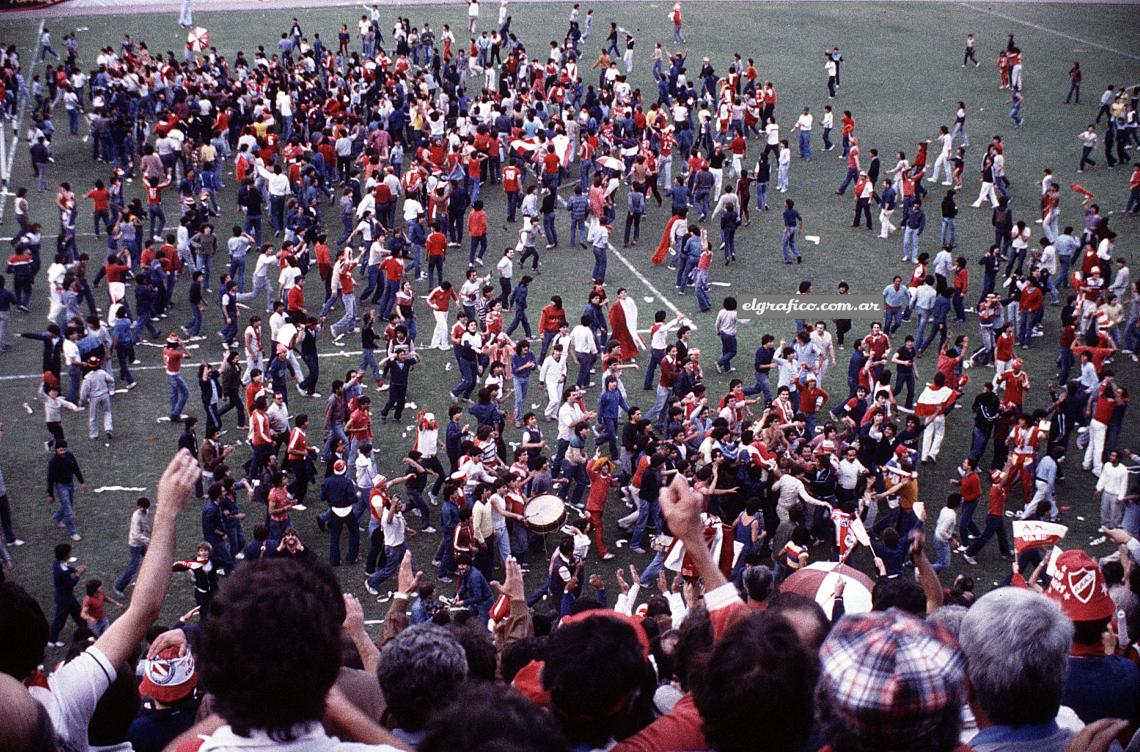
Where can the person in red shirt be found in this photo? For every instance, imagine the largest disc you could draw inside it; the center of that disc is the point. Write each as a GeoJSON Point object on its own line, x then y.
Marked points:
{"type": "Point", "coordinates": [436, 245]}
{"type": "Point", "coordinates": [970, 489]}
{"type": "Point", "coordinates": [512, 186]}
{"type": "Point", "coordinates": [1031, 304]}
{"type": "Point", "coordinates": [599, 470]}
{"type": "Point", "coordinates": [552, 318]}
{"type": "Point", "coordinates": [172, 355]}
{"type": "Point", "coordinates": [101, 205]}
{"type": "Point", "coordinates": [1016, 383]}
{"type": "Point", "coordinates": [393, 269]}
{"type": "Point", "coordinates": [995, 521]}
{"type": "Point", "coordinates": [358, 428]}
{"type": "Point", "coordinates": [812, 400]}
{"type": "Point", "coordinates": [1003, 351]}
{"type": "Point", "coordinates": [879, 342]}
{"type": "Point", "coordinates": [295, 300]}
{"type": "Point", "coordinates": [155, 214]}
{"type": "Point", "coordinates": [477, 229]}
{"type": "Point", "coordinates": [260, 436]}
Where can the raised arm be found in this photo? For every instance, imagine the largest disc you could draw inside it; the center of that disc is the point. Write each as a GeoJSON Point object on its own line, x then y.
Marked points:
{"type": "Point", "coordinates": [126, 632]}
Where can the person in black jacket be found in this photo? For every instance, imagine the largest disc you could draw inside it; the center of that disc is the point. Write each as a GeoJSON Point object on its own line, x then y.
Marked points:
{"type": "Point", "coordinates": [397, 368]}
{"type": "Point", "coordinates": [52, 347]}
{"type": "Point", "coordinates": [189, 441]}
{"type": "Point", "coordinates": [62, 472]}
{"type": "Point", "coordinates": [64, 579]}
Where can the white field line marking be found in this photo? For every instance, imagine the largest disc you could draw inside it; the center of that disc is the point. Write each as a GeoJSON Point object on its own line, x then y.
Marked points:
{"type": "Point", "coordinates": [26, 376]}
{"type": "Point", "coordinates": [645, 281]}
{"type": "Point", "coordinates": [19, 125]}
{"type": "Point", "coordinates": [1046, 29]}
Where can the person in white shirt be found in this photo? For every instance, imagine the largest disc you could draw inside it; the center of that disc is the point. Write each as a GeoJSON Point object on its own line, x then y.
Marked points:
{"type": "Point", "coordinates": [945, 530]}
{"type": "Point", "coordinates": [552, 374]}
{"type": "Point", "coordinates": [1112, 491]}
{"type": "Point", "coordinates": [505, 267]}
{"type": "Point", "coordinates": [943, 160]}
{"type": "Point", "coordinates": [803, 125]}
{"type": "Point", "coordinates": [782, 165]}
{"type": "Point", "coordinates": [265, 274]}
{"type": "Point", "coordinates": [821, 338]}
{"type": "Point", "coordinates": [584, 350]}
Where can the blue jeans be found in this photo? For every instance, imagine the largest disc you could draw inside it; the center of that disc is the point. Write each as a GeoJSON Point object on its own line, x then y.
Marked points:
{"type": "Point", "coordinates": [941, 554]}
{"type": "Point", "coordinates": [762, 195]}
{"type": "Point", "coordinates": [549, 229]}
{"type": "Point", "coordinates": [577, 230]}
{"type": "Point", "coordinates": [393, 556]}
{"type": "Point", "coordinates": [848, 179]}
{"type": "Point", "coordinates": [657, 412]}
{"type": "Point", "coordinates": [645, 509]}
{"type": "Point", "coordinates": [910, 244]}
{"type": "Point", "coordinates": [805, 145]}
{"type": "Point", "coordinates": [194, 325]}
{"type": "Point", "coordinates": [701, 287]}
{"type": "Point", "coordinates": [966, 525]}
{"type": "Point", "coordinates": [347, 322]}
{"type": "Point", "coordinates": [923, 320]}
{"type": "Point", "coordinates": [137, 553]}
{"type": "Point", "coordinates": [762, 386]}
{"type": "Point", "coordinates": [368, 363]}
{"type": "Point", "coordinates": [65, 513]}
{"type": "Point", "coordinates": [601, 259]}
{"type": "Point", "coordinates": [684, 269]}
{"type": "Point", "coordinates": [892, 319]}
{"type": "Point", "coordinates": [655, 357]}
{"type": "Point", "coordinates": [179, 393]}
{"type": "Point", "coordinates": [947, 232]}
{"type": "Point", "coordinates": [788, 246]}
{"type": "Point", "coordinates": [978, 440]}
{"type": "Point", "coordinates": [237, 272]}
{"type": "Point", "coordinates": [728, 350]}
{"type": "Point", "coordinates": [585, 363]}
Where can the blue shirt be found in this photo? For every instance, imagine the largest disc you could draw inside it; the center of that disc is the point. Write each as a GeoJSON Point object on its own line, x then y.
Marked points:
{"type": "Point", "coordinates": [916, 220]}
{"type": "Point", "coordinates": [792, 218]}
{"type": "Point", "coordinates": [610, 403]}
{"type": "Point", "coordinates": [896, 298]}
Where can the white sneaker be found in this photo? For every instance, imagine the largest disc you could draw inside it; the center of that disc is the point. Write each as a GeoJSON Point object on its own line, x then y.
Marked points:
{"type": "Point", "coordinates": [371, 590]}
{"type": "Point", "coordinates": [76, 537]}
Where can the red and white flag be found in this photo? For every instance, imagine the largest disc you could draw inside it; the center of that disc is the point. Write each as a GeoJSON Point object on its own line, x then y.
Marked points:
{"type": "Point", "coordinates": [1029, 534]}
{"type": "Point", "coordinates": [934, 400]}
{"type": "Point", "coordinates": [845, 541]}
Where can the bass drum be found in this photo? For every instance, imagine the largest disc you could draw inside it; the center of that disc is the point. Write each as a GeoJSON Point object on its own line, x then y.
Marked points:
{"type": "Point", "coordinates": [544, 514]}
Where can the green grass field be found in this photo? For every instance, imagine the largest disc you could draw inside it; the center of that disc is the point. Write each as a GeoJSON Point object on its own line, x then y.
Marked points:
{"type": "Point", "coordinates": [901, 80]}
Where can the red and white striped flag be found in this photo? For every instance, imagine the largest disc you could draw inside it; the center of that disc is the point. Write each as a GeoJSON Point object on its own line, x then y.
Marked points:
{"type": "Point", "coordinates": [1029, 534]}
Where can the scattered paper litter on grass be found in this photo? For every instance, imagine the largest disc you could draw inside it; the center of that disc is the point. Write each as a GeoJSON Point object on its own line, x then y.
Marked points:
{"type": "Point", "coordinates": [119, 489]}
{"type": "Point", "coordinates": [812, 239]}
{"type": "Point", "coordinates": [28, 408]}
{"type": "Point", "coordinates": [648, 298]}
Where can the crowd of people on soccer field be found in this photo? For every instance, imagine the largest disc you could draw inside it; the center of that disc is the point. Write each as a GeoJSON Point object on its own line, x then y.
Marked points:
{"type": "Point", "coordinates": [398, 138]}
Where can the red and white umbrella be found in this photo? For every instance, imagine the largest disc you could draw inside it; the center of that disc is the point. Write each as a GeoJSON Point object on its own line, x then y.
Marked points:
{"type": "Point", "coordinates": [817, 581]}
{"type": "Point", "coordinates": [612, 163]}
{"type": "Point", "coordinates": [198, 38]}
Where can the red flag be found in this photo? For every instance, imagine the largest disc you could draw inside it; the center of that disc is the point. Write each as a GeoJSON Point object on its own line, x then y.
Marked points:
{"type": "Point", "coordinates": [1029, 534]}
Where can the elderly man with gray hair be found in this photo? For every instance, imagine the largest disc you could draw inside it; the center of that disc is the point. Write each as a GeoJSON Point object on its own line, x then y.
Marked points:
{"type": "Point", "coordinates": [420, 672]}
{"type": "Point", "coordinates": [1017, 643]}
